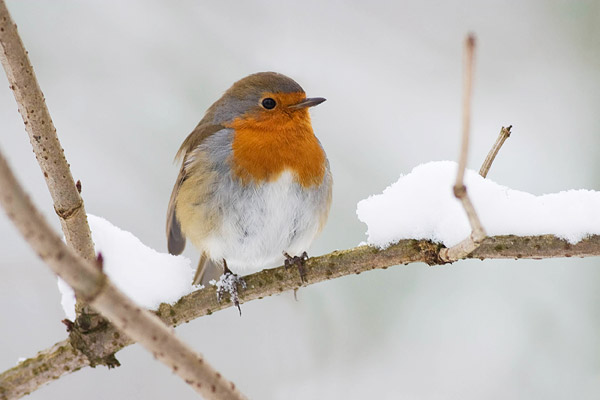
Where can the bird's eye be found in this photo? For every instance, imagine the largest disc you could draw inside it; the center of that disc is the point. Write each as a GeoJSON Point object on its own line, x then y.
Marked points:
{"type": "Point", "coordinates": [269, 103]}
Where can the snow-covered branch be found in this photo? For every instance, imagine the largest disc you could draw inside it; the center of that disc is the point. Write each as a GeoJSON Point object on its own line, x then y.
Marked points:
{"type": "Point", "coordinates": [42, 134]}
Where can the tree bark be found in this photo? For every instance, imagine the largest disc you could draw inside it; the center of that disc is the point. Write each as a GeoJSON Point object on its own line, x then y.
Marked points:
{"type": "Point", "coordinates": [42, 134]}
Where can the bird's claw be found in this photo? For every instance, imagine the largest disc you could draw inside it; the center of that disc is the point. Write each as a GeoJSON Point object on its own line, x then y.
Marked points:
{"type": "Point", "coordinates": [299, 262]}
{"type": "Point", "coordinates": [229, 283]}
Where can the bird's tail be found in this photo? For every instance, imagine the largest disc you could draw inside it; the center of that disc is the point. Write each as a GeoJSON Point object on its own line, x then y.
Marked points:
{"type": "Point", "coordinates": [207, 270]}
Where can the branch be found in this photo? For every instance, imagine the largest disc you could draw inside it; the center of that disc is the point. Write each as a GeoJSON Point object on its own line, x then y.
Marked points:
{"type": "Point", "coordinates": [466, 109]}
{"type": "Point", "coordinates": [487, 164]}
{"type": "Point", "coordinates": [91, 285]}
{"type": "Point", "coordinates": [42, 134]}
{"type": "Point", "coordinates": [25, 378]}
{"type": "Point", "coordinates": [30, 374]}
{"type": "Point", "coordinates": [473, 241]}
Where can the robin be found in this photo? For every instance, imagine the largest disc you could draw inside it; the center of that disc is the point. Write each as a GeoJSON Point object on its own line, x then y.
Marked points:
{"type": "Point", "coordinates": [254, 188]}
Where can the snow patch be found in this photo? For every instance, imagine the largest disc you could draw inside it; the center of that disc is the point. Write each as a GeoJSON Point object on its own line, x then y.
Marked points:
{"type": "Point", "coordinates": [145, 275]}
{"type": "Point", "coordinates": [421, 205]}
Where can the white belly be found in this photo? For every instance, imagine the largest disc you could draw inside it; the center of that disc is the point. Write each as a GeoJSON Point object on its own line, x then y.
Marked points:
{"type": "Point", "coordinates": [261, 222]}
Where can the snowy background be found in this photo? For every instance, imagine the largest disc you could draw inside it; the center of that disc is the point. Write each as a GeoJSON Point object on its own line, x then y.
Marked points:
{"type": "Point", "coordinates": [127, 81]}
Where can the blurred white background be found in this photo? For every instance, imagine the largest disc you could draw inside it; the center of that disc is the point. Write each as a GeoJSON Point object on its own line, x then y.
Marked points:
{"type": "Point", "coordinates": [127, 81]}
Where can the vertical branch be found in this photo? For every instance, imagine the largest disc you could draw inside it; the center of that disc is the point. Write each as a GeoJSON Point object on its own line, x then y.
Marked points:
{"type": "Point", "coordinates": [477, 235]}
{"type": "Point", "coordinates": [466, 109]}
{"type": "Point", "coordinates": [42, 134]}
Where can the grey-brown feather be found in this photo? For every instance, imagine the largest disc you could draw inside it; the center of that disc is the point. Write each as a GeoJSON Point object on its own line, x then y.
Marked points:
{"type": "Point", "coordinates": [175, 239]}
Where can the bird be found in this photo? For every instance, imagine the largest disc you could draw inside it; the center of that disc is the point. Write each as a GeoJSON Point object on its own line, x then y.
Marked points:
{"type": "Point", "coordinates": [255, 186]}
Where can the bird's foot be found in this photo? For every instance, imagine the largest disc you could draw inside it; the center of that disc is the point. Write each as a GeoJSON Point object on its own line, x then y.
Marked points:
{"type": "Point", "coordinates": [299, 262]}
{"type": "Point", "coordinates": [229, 283]}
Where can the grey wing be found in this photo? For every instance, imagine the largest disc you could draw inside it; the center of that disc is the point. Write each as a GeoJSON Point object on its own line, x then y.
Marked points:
{"type": "Point", "coordinates": [175, 239]}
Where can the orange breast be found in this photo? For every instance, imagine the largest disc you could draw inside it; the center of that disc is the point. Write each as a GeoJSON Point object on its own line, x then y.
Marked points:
{"type": "Point", "coordinates": [268, 143]}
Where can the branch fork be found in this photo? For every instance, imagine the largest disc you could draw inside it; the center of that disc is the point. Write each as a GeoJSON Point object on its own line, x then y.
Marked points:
{"type": "Point", "coordinates": [478, 233]}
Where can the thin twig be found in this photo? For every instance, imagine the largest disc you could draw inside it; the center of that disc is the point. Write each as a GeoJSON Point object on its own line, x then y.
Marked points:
{"type": "Point", "coordinates": [42, 134]}
{"type": "Point", "coordinates": [63, 358]}
{"type": "Point", "coordinates": [90, 284]}
{"type": "Point", "coordinates": [487, 164]}
{"type": "Point", "coordinates": [466, 108]}
{"type": "Point", "coordinates": [460, 191]}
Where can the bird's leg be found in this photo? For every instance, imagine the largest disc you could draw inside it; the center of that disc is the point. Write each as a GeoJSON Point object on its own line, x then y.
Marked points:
{"type": "Point", "coordinates": [298, 261]}
{"type": "Point", "coordinates": [228, 282]}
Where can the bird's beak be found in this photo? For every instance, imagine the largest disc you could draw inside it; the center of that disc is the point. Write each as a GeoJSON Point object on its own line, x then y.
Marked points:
{"type": "Point", "coordinates": [309, 102]}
